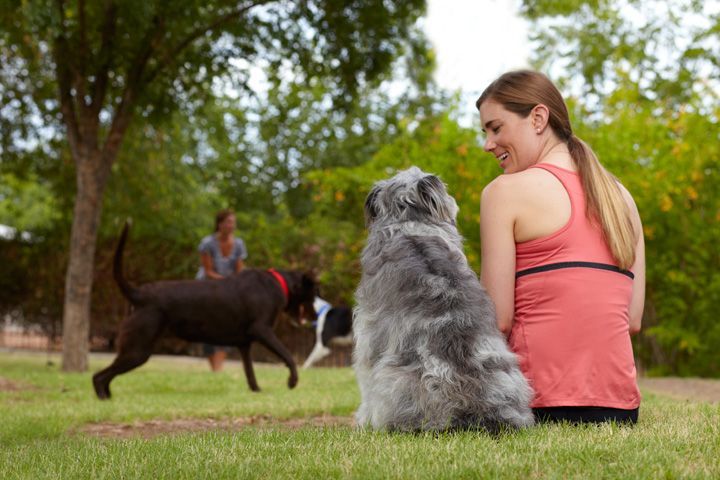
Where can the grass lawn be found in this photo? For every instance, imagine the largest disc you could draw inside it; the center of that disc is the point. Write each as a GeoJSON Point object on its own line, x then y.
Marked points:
{"type": "Point", "coordinates": [46, 418]}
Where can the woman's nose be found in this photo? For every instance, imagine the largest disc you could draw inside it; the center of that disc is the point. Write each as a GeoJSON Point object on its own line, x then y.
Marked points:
{"type": "Point", "coordinates": [489, 145]}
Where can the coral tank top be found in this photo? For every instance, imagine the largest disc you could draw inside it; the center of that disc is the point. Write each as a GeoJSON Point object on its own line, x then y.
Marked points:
{"type": "Point", "coordinates": [571, 325]}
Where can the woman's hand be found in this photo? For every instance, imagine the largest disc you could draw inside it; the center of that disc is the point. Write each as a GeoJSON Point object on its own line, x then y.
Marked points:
{"type": "Point", "coordinates": [208, 266]}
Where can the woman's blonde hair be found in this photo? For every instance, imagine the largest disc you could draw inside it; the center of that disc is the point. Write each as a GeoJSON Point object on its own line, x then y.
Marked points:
{"type": "Point", "coordinates": [519, 92]}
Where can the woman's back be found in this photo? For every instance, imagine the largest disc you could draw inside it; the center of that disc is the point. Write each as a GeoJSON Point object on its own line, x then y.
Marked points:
{"type": "Point", "coordinates": [542, 205]}
{"type": "Point", "coordinates": [571, 322]}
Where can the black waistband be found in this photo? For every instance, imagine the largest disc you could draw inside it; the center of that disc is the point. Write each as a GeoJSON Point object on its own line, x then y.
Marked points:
{"type": "Point", "coordinates": [558, 266]}
{"type": "Point", "coordinates": [586, 415]}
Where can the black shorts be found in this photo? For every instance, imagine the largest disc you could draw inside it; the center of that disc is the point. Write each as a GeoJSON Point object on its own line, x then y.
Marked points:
{"type": "Point", "coordinates": [585, 415]}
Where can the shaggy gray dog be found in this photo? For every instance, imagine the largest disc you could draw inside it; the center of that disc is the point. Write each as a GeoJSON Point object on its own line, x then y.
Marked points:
{"type": "Point", "coordinates": [428, 353]}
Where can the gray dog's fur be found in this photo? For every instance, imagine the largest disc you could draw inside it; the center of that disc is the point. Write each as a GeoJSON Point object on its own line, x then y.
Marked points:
{"type": "Point", "coordinates": [428, 353]}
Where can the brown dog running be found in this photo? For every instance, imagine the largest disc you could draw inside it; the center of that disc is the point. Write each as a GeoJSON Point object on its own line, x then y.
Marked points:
{"type": "Point", "coordinates": [234, 311]}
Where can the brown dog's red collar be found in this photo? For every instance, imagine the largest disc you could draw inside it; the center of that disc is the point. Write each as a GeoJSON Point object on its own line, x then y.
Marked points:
{"type": "Point", "coordinates": [281, 281]}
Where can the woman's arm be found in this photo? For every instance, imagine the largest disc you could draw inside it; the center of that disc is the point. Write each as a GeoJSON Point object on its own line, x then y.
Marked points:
{"type": "Point", "coordinates": [498, 250]}
{"type": "Point", "coordinates": [241, 252]}
{"type": "Point", "coordinates": [207, 264]}
{"type": "Point", "coordinates": [637, 301]}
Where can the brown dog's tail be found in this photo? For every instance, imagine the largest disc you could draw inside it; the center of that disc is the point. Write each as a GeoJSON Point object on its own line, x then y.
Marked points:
{"type": "Point", "coordinates": [128, 290]}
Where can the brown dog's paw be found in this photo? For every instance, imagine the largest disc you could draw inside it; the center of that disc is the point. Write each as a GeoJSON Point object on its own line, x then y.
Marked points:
{"type": "Point", "coordinates": [292, 381]}
{"type": "Point", "coordinates": [101, 390]}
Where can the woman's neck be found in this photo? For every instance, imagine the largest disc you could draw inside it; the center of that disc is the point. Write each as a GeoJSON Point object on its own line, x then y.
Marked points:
{"type": "Point", "coordinates": [558, 155]}
{"type": "Point", "coordinates": [224, 236]}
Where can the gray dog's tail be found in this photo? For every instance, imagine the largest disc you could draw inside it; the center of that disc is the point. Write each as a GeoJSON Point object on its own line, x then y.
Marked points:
{"type": "Point", "coordinates": [128, 290]}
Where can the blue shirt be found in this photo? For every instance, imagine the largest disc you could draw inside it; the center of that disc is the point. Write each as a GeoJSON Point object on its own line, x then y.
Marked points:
{"type": "Point", "coordinates": [223, 265]}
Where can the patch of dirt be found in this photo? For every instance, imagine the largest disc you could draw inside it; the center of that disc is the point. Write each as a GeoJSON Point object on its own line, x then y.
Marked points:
{"type": "Point", "coordinates": [7, 385]}
{"type": "Point", "coordinates": [153, 428]}
{"type": "Point", "coordinates": [696, 389]}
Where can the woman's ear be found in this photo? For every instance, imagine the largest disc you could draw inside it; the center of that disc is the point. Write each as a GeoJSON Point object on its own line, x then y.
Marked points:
{"type": "Point", "coordinates": [540, 115]}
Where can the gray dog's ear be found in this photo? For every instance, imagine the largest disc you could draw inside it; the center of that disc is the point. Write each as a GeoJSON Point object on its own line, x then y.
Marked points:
{"type": "Point", "coordinates": [431, 192]}
{"type": "Point", "coordinates": [371, 208]}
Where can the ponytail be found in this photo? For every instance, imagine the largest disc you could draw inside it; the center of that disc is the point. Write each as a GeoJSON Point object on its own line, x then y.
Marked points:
{"type": "Point", "coordinates": [605, 203]}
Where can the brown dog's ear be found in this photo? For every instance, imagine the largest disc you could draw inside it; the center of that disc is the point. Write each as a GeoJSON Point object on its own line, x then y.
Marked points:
{"type": "Point", "coordinates": [308, 280]}
{"type": "Point", "coordinates": [313, 273]}
{"type": "Point", "coordinates": [309, 283]}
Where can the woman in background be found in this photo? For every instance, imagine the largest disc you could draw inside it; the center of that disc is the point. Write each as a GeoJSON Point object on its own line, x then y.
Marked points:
{"type": "Point", "coordinates": [221, 254]}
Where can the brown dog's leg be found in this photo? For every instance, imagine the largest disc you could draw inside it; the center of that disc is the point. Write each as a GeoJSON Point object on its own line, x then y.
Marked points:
{"type": "Point", "coordinates": [247, 365]}
{"type": "Point", "coordinates": [123, 363]}
{"type": "Point", "coordinates": [136, 339]}
{"type": "Point", "coordinates": [266, 336]}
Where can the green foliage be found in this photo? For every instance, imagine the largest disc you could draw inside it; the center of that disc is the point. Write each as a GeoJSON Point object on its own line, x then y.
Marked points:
{"type": "Point", "coordinates": [298, 128]}
{"type": "Point", "coordinates": [168, 87]}
{"type": "Point", "coordinates": [437, 145]}
{"type": "Point", "coordinates": [33, 262]}
{"type": "Point", "coordinates": [654, 123]}
{"type": "Point", "coordinates": [25, 203]}
{"type": "Point", "coordinates": [668, 49]}
{"type": "Point", "coordinates": [171, 55]}
{"type": "Point", "coordinates": [296, 160]}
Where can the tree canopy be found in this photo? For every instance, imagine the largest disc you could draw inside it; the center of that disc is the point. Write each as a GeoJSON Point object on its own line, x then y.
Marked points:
{"type": "Point", "coordinates": [90, 70]}
{"type": "Point", "coordinates": [649, 82]}
{"type": "Point", "coordinates": [282, 114]}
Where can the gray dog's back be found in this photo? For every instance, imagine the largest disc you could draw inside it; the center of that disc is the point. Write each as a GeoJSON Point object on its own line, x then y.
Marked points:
{"type": "Point", "coordinates": [428, 354]}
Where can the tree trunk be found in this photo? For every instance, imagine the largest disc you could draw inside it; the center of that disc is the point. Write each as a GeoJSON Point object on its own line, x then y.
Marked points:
{"type": "Point", "coordinates": [79, 279]}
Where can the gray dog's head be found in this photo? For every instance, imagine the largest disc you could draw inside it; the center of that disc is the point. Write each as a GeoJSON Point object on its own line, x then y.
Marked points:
{"type": "Point", "coordinates": [411, 195]}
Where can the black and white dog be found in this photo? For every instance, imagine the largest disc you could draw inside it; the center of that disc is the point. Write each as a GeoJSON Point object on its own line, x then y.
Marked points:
{"type": "Point", "coordinates": [333, 326]}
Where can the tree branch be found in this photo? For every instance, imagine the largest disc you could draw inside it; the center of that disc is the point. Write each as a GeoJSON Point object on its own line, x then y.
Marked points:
{"type": "Point", "coordinates": [80, 77]}
{"type": "Point", "coordinates": [123, 112]}
{"type": "Point", "coordinates": [136, 79]}
{"type": "Point", "coordinates": [172, 55]}
{"type": "Point", "coordinates": [106, 51]}
{"type": "Point", "coordinates": [64, 77]}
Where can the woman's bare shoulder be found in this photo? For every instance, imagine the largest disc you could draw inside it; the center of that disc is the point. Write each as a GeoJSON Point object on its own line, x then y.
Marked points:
{"type": "Point", "coordinates": [520, 185]}
{"type": "Point", "coordinates": [498, 192]}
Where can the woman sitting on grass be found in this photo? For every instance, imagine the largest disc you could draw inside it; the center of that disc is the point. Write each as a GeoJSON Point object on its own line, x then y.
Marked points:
{"type": "Point", "coordinates": [562, 256]}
